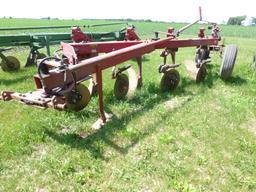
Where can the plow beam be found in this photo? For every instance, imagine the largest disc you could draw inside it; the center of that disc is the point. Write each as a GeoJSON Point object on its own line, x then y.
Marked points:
{"type": "Point", "coordinates": [113, 58]}
{"type": "Point", "coordinates": [83, 49]}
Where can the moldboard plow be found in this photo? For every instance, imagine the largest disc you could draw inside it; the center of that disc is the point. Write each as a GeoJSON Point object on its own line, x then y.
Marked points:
{"type": "Point", "coordinates": [59, 79]}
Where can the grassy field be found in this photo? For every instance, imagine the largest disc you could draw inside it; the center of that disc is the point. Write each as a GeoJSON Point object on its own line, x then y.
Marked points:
{"type": "Point", "coordinates": [201, 137]}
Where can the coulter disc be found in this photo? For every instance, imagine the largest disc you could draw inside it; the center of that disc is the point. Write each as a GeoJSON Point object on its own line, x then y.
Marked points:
{"type": "Point", "coordinates": [121, 86]}
{"type": "Point", "coordinates": [78, 99]}
{"type": "Point", "coordinates": [170, 80]}
{"type": "Point", "coordinates": [10, 64]}
{"type": "Point", "coordinates": [201, 74]}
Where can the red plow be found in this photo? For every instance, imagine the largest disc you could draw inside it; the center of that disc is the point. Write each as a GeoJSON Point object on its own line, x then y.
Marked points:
{"type": "Point", "coordinates": [59, 79]}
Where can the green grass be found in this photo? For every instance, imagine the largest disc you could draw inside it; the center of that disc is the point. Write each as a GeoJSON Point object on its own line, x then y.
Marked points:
{"type": "Point", "coordinates": [205, 142]}
{"type": "Point", "coordinates": [145, 29]}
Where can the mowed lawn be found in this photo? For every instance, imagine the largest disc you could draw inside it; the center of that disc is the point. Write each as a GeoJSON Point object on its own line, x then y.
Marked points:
{"type": "Point", "coordinates": [200, 137]}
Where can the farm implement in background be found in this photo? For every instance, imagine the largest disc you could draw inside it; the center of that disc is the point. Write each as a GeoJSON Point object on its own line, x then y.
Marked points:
{"type": "Point", "coordinates": [37, 41]}
{"type": "Point", "coordinates": [59, 79]}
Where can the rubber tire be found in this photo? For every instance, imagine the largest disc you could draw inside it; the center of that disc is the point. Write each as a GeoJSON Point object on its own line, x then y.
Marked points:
{"type": "Point", "coordinates": [15, 64]}
{"type": "Point", "coordinates": [170, 80]}
{"type": "Point", "coordinates": [228, 61]}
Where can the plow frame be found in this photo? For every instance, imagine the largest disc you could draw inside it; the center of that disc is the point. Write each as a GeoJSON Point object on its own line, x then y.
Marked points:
{"type": "Point", "coordinates": [77, 70]}
{"type": "Point", "coordinates": [59, 77]}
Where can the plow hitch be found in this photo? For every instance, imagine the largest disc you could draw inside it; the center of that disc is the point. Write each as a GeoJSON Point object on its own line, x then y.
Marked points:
{"type": "Point", "coordinates": [35, 99]}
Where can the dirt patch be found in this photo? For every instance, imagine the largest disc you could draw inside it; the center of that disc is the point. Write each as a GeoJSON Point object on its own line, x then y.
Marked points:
{"type": "Point", "coordinates": [146, 190]}
{"type": "Point", "coordinates": [176, 102]}
{"type": "Point", "coordinates": [251, 126]}
{"type": "Point", "coordinates": [40, 151]}
{"type": "Point", "coordinates": [41, 190]}
{"type": "Point", "coordinates": [185, 133]}
{"type": "Point", "coordinates": [64, 130]}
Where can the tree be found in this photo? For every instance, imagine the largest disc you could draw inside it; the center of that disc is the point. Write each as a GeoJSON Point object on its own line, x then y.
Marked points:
{"type": "Point", "coordinates": [236, 20]}
{"type": "Point", "coordinates": [254, 20]}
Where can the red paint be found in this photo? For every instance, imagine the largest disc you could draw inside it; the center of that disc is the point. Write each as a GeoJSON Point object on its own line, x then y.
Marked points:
{"type": "Point", "coordinates": [170, 32]}
{"type": "Point", "coordinates": [78, 36]}
{"type": "Point", "coordinates": [130, 34]}
{"type": "Point", "coordinates": [201, 33]}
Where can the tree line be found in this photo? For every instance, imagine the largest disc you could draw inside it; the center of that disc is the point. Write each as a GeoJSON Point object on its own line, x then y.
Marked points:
{"type": "Point", "coordinates": [238, 20]}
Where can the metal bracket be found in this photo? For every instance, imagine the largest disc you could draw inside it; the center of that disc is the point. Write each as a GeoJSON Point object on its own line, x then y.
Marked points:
{"type": "Point", "coordinates": [203, 62]}
{"type": "Point", "coordinates": [6, 95]}
{"type": "Point", "coordinates": [118, 71]}
{"type": "Point", "coordinates": [163, 68]}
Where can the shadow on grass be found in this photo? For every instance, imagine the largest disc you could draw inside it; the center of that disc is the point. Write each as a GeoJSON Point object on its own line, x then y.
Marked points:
{"type": "Point", "coordinates": [8, 82]}
{"type": "Point", "coordinates": [22, 76]}
{"type": "Point", "coordinates": [210, 79]}
{"type": "Point", "coordinates": [212, 76]}
{"type": "Point", "coordinates": [237, 81]}
{"type": "Point", "coordinates": [143, 102]}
